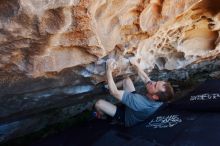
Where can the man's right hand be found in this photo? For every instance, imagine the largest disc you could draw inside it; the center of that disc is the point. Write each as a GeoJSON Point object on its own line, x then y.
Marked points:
{"type": "Point", "coordinates": [144, 77]}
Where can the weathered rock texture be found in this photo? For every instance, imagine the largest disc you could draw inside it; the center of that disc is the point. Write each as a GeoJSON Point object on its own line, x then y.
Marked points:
{"type": "Point", "coordinates": [59, 47]}
{"type": "Point", "coordinates": [43, 38]}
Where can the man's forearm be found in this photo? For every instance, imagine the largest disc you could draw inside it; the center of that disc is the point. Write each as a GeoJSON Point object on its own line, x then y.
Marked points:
{"type": "Point", "coordinates": [144, 77]}
{"type": "Point", "coordinates": [112, 86]}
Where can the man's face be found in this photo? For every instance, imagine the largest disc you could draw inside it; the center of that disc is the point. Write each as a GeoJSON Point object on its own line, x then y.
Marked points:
{"type": "Point", "coordinates": [154, 87]}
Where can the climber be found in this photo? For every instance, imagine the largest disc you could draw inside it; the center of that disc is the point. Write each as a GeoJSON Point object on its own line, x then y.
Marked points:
{"type": "Point", "coordinates": [136, 108]}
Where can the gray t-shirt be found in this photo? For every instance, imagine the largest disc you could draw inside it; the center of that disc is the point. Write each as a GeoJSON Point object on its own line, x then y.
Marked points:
{"type": "Point", "coordinates": [138, 107]}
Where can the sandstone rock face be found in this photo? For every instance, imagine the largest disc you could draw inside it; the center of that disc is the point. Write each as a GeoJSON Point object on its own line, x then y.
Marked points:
{"type": "Point", "coordinates": [40, 38]}
{"type": "Point", "coordinates": [59, 47]}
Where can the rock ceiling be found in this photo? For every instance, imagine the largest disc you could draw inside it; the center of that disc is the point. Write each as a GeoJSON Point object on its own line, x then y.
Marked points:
{"type": "Point", "coordinates": [41, 38]}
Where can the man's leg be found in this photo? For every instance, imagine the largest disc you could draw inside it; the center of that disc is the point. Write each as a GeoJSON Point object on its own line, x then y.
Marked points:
{"type": "Point", "coordinates": [105, 107]}
{"type": "Point", "coordinates": [128, 85]}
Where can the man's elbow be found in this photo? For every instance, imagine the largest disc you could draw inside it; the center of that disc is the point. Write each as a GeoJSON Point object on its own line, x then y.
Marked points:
{"type": "Point", "coordinates": [117, 94]}
{"type": "Point", "coordinates": [114, 92]}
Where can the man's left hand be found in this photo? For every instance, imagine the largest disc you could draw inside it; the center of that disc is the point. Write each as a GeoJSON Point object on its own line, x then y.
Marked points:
{"type": "Point", "coordinates": [111, 65]}
{"type": "Point", "coordinates": [134, 61]}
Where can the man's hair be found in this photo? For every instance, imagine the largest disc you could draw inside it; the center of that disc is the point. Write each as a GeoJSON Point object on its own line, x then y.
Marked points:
{"type": "Point", "coordinates": [166, 95]}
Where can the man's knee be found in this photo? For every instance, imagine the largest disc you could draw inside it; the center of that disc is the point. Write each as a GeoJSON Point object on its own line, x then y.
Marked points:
{"type": "Point", "coordinates": [105, 107]}
{"type": "Point", "coordinates": [99, 103]}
